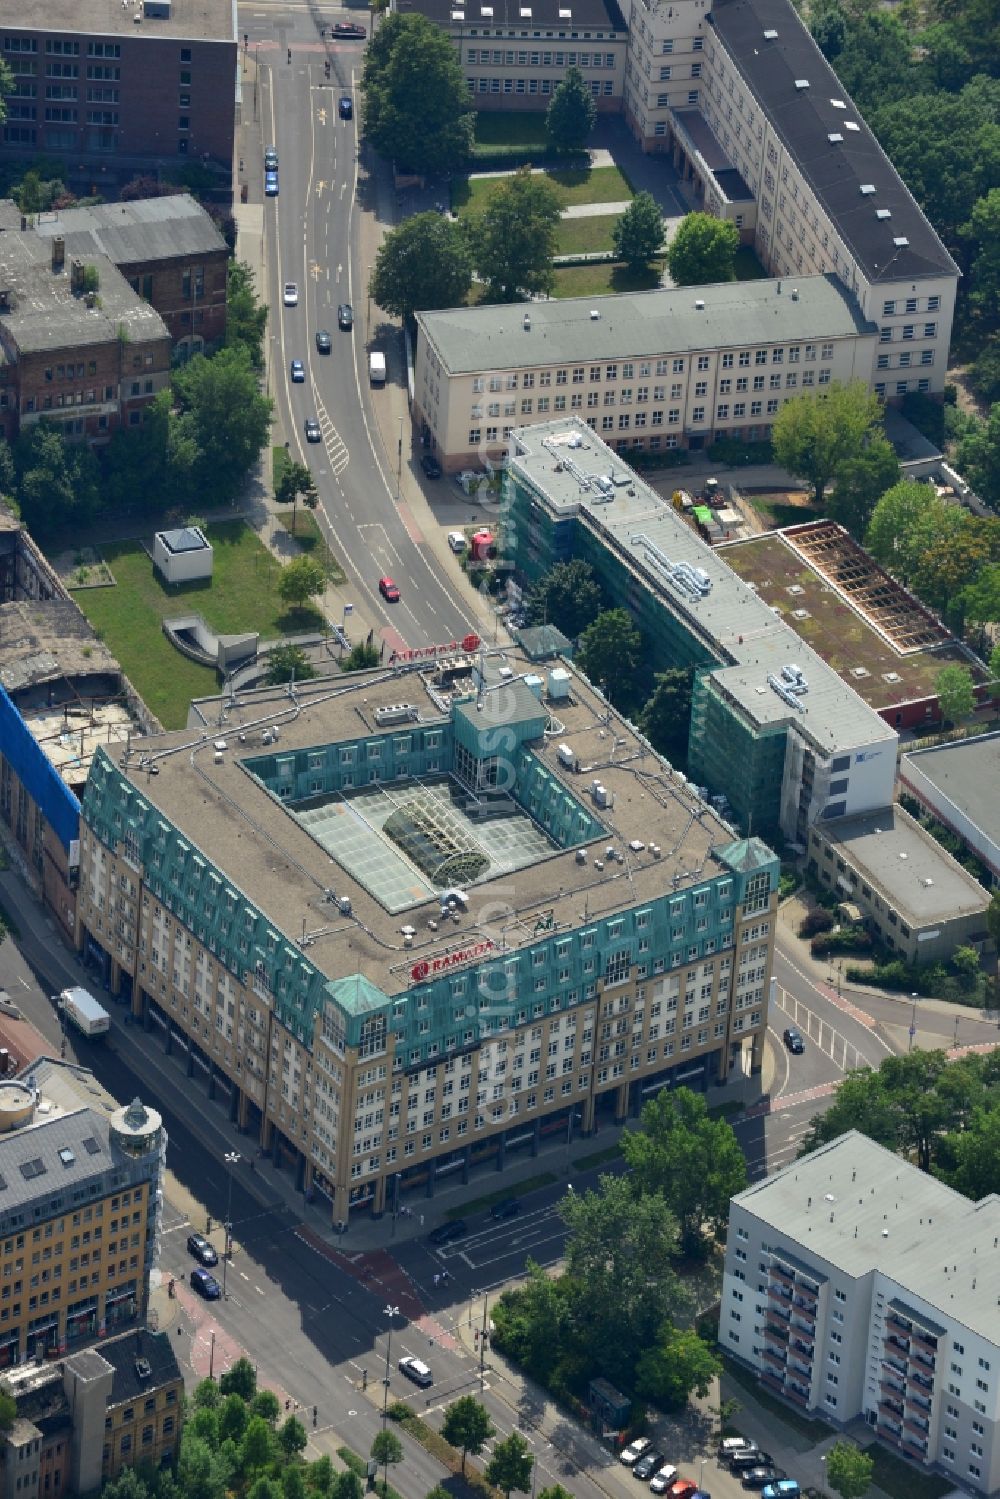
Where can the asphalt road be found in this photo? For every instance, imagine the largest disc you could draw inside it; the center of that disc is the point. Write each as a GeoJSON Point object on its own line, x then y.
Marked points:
{"type": "Point", "coordinates": [311, 234]}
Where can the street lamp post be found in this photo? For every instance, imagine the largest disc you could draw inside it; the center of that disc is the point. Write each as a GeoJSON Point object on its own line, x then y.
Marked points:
{"type": "Point", "coordinates": [913, 1022]}
{"type": "Point", "coordinates": [399, 462]}
{"type": "Point", "coordinates": [482, 1344]}
{"type": "Point", "coordinates": [232, 1156]}
{"type": "Point", "coordinates": [390, 1312]}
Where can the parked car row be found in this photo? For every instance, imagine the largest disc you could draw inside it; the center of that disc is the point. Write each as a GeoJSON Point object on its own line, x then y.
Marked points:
{"type": "Point", "coordinates": [741, 1455]}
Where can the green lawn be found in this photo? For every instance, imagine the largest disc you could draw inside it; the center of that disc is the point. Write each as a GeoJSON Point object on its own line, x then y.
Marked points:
{"type": "Point", "coordinates": [895, 1476]}
{"type": "Point", "coordinates": [241, 595]}
{"type": "Point", "coordinates": [310, 538]}
{"type": "Point", "coordinates": [777, 512]}
{"type": "Point", "coordinates": [583, 236]}
{"type": "Point", "coordinates": [500, 128]}
{"type": "Point", "coordinates": [592, 185]}
{"type": "Point", "coordinates": [596, 280]}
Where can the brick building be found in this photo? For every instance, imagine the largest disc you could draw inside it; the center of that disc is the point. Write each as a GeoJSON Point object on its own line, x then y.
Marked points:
{"type": "Point", "coordinates": [108, 89]}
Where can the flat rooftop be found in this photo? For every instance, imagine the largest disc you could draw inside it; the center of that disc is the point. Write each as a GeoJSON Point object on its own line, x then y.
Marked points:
{"type": "Point", "coordinates": [859, 1208]}
{"type": "Point", "coordinates": [147, 229]}
{"type": "Point", "coordinates": [966, 774]}
{"type": "Point", "coordinates": [563, 16]}
{"type": "Point", "coordinates": [570, 466]}
{"type": "Point", "coordinates": [71, 735]}
{"type": "Point", "coordinates": [270, 855]}
{"type": "Point", "coordinates": [45, 314]}
{"type": "Point", "coordinates": [45, 640]}
{"type": "Point", "coordinates": [200, 20]}
{"type": "Point", "coordinates": [837, 619]}
{"type": "Point", "coordinates": [892, 852]}
{"type": "Point", "coordinates": [471, 339]}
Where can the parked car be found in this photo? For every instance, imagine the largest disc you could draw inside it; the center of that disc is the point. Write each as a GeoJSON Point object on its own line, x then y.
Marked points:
{"type": "Point", "coordinates": [632, 1453]}
{"type": "Point", "coordinates": [298, 371]}
{"type": "Point", "coordinates": [759, 1477]}
{"type": "Point", "coordinates": [206, 1285]}
{"type": "Point", "coordinates": [729, 1446]}
{"type": "Point", "coordinates": [345, 107]}
{"type": "Point", "coordinates": [416, 1370]}
{"type": "Point", "coordinates": [682, 1488]}
{"type": "Point", "coordinates": [349, 28]}
{"type": "Point", "coordinates": [785, 1488]}
{"type": "Point", "coordinates": [345, 317]}
{"type": "Point", "coordinates": [457, 541]}
{"type": "Point", "coordinates": [324, 342]}
{"type": "Point", "coordinates": [509, 1208]}
{"type": "Point", "coordinates": [390, 593]}
{"type": "Point", "coordinates": [290, 295]}
{"type": "Point", "coordinates": [270, 184]}
{"type": "Point", "coordinates": [202, 1250]}
{"type": "Point", "coordinates": [270, 159]}
{"type": "Point", "coordinates": [649, 1463]}
{"type": "Point", "coordinates": [430, 466]}
{"type": "Point", "coordinates": [313, 434]}
{"type": "Point", "coordinates": [457, 1228]}
{"type": "Point", "coordinates": [793, 1040]}
{"type": "Point", "coordinates": [750, 1459]}
{"type": "Point", "coordinates": [661, 1481]}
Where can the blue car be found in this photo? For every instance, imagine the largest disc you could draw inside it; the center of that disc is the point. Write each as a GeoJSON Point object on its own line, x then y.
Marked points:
{"type": "Point", "coordinates": [298, 372]}
{"type": "Point", "coordinates": [206, 1285]}
{"type": "Point", "coordinates": [785, 1488]}
{"type": "Point", "coordinates": [271, 184]}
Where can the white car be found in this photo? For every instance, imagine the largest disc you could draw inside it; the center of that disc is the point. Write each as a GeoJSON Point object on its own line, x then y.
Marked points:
{"type": "Point", "coordinates": [457, 541]}
{"type": "Point", "coordinates": [291, 294]}
{"type": "Point", "coordinates": [660, 1482]}
{"type": "Point", "coordinates": [634, 1451]}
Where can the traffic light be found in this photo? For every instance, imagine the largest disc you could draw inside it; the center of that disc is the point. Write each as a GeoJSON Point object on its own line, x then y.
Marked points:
{"type": "Point", "coordinates": [326, 67]}
{"type": "Point", "coordinates": [315, 1414]}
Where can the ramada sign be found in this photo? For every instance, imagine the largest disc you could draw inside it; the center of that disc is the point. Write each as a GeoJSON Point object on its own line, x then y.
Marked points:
{"type": "Point", "coordinates": [428, 967]}
{"type": "Point", "coordinates": [468, 643]}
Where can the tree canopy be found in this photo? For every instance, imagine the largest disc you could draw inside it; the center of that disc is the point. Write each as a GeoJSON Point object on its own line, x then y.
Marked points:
{"type": "Point", "coordinates": [703, 250]}
{"type": "Point", "coordinates": [416, 100]}
{"type": "Point", "coordinates": [849, 1470]}
{"type": "Point", "coordinates": [467, 1426]}
{"type": "Point", "coordinates": [609, 654]}
{"type": "Point", "coordinates": [514, 237]}
{"type": "Point", "coordinates": [509, 1468]}
{"type": "Point", "coordinates": [424, 263]}
{"type": "Point", "coordinates": [637, 234]}
{"type": "Point", "coordinates": [572, 113]}
{"type": "Point", "coordinates": [666, 715]}
{"type": "Point", "coordinates": [953, 686]}
{"type": "Point", "coordinates": [300, 580]}
{"type": "Point", "coordinates": [567, 596]}
{"type": "Point", "coordinates": [818, 431]}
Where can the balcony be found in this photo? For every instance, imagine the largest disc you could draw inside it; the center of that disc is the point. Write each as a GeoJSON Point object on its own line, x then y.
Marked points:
{"type": "Point", "coordinates": [776, 1331]}
{"type": "Point", "coordinates": [913, 1447]}
{"type": "Point", "coordinates": [810, 1298]}
{"type": "Point", "coordinates": [772, 1382]}
{"type": "Point", "coordinates": [805, 1310]}
{"type": "Point", "coordinates": [924, 1340]}
{"type": "Point", "coordinates": [895, 1322]}
{"type": "Point", "coordinates": [779, 1294]}
{"type": "Point", "coordinates": [774, 1361]}
{"type": "Point", "coordinates": [897, 1344]}
{"type": "Point", "coordinates": [919, 1399]}
{"type": "Point", "coordinates": [797, 1395]}
{"type": "Point", "coordinates": [803, 1347]}
{"type": "Point", "coordinates": [919, 1383]}
{"type": "Point", "coordinates": [896, 1366]}
{"type": "Point", "coordinates": [921, 1362]}
{"type": "Point", "coordinates": [888, 1432]}
{"type": "Point", "coordinates": [891, 1390]}
{"type": "Point", "coordinates": [778, 1272]}
{"type": "Point", "coordinates": [893, 1409]}
{"type": "Point", "coordinates": [916, 1427]}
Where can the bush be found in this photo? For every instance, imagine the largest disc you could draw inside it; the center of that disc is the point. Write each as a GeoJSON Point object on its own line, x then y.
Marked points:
{"type": "Point", "coordinates": [815, 921]}
{"type": "Point", "coordinates": [788, 882]}
{"type": "Point", "coordinates": [854, 939]}
{"type": "Point", "coordinates": [730, 452]}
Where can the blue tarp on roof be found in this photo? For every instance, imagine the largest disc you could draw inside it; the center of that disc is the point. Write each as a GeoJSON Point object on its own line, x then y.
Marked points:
{"type": "Point", "coordinates": [42, 782]}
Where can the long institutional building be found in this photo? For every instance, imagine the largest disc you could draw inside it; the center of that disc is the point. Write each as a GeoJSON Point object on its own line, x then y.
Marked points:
{"type": "Point", "coordinates": [858, 1286]}
{"type": "Point", "coordinates": [763, 134]}
{"type": "Point", "coordinates": [420, 920]}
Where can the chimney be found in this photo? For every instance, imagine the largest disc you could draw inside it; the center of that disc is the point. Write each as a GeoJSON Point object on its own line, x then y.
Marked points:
{"type": "Point", "coordinates": [58, 253]}
{"type": "Point", "coordinates": [76, 275]}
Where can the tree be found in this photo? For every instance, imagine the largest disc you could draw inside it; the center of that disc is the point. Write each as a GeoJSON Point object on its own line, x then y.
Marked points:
{"type": "Point", "coordinates": [510, 1466]}
{"type": "Point", "coordinates": [416, 100]}
{"type": "Point", "coordinates": [978, 457]}
{"type": "Point", "coordinates": [240, 1379]}
{"type": "Point", "coordinates": [983, 229]}
{"type": "Point", "coordinates": [246, 318]}
{"type": "Point", "coordinates": [860, 480]}
{"type": "Point", "coordinates": [292, 1437]}
{"type": "Point", "coordinates": [952, 549]}
{"type": "Point", "coordinates": [567, 596]}
{"type": "Point", "coordinates": [348, 1486]}
{"type": "Point", "coordinates": [995, 695]}
{"type": "Point", "coordinates": [264, 1488]}
{"type": "Point", "coordinates": [955, 693]}
{"type": "Point", "coordinates": [257, 1445]}
{"type": "Point", "coordinates": [693, 1160]}
{"type": "Point", "coordinates": [898, 516]}
{"type": "Point", "coordinates": [666, 715]}
{"type": "Point", "coordinates": [57, 481]}
{"type": "Point", "coordinates": [680, 1365]}
{"type": "Point", "coordinates": [514, 237]}
{"type": "Point", "coordinates": [296, 483]}
{"type": "Point", "coordinates": [467, 1425]}
{"type": "Point", "coordinates": [387, 1448]}
{"type": "Point", "coordinates": [288, 663]}
{"type": "Point", "coordinates": [531, 1322]}
{"type": "Point", "coordinates": [265, 1404]}
{"type": "Point", "coordinates": [703, 250]}
{"type": "Point", "coordinates": [6, 87]}
{"type": "Point", "coordinates": [207, 1395]}
{"type": "Point", "coordinates": [572, 113]}
{"type": "Point", "coordinates": [320, 1475]}
{"type": "Point", "coordinates": [221, 411]}
{"type": "Point", "coordinates": [849, 1470]}
{"type": "Point", "coordinates": [609, 653]}
{"type": "Point", "coordinates": [361, 657]}
{"type": "Point", "coordinates": [423, 263]}
{"type": "Point", "coordinates": [300, 580]}
{"type": "Point", "coordinates": [293, 1483]}
{"type": "Point", "coordinates": [128, 1485]}
{"type": "Point", "coordinates": [637, 234]}
{"type": "Point", "coordinates": [233, 1419]}
{"type": "Point", "coordinates": [201, 1472]}
{"type": "Point", "coordinates": [555, 1491]}
{"type": "Point", "coordinates": [816, 432]}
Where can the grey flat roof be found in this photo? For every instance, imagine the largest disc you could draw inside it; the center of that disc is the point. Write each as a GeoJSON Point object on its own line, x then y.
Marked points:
{"type": "Point", "coordinates": [805, 118]}
{"type": "Point", "coordinates": [201, 20]}
{"type": "Point", "coordinates": [45, 314]}
{"type": "Point", "coordinates": [184, 539]}
{"type": "Point", "coordinates": [487, 15]}
{"type": "Point", "coordinates": [751, 641]}
{"type": "Point", "coordinates": [891, 851]}
{"type": "Point", "coordinates": [966, 774]}
{"type": "Point", "coordinates": [857, 1207]}
{"type": "Point", "coordinates": [668, 320]}
{"type": "Point", "coordinates": [31, 1164]}
{"type": "Point", "coordinates": [146, 229]}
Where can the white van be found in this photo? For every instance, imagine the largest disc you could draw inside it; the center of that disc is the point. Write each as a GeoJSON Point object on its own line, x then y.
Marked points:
{"type": "Point", "coordinates": [457, 541]}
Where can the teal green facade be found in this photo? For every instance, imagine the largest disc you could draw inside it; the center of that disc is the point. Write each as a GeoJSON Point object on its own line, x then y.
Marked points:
{"type": "Point", "coordinates": [724, 749]}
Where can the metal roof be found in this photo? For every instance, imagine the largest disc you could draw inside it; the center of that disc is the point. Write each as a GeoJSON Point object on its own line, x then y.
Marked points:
{"type": "Point", "coordinates": [564, 17]}
{"type": "Point", "coordinates": [147, 229]}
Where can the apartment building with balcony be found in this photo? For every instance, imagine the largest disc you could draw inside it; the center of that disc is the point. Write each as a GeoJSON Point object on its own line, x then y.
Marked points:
{"type": "Point", "coordinates": [416, 925]}
{"type": "Point", "coordinates": [857, 1285]}
{"type": "Point", "coordinates": [111, 89]}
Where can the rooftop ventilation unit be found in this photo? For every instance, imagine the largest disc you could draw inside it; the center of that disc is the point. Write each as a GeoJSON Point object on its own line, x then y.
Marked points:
{"type": "Point", "coordinates": [486, 10]}
{"type": "Point", "coordinates": [901, 242]}
{"type": "Point", "coordinates": [801, 83]}
{"type": "Point", "coordinates": [527, 322]}
{"type": "Point", "coordinates": [835, 138]}
{"type": "Point", "coordinates": [838, 103]}
{"type": "Point", "coordinates": [883, 213]}
{"type": "Point", "coordinates": [699, 305]}
{"type": "Point", "coordinates": [143, 1370]}
{"type": "Point", "coordinates": [595, 315]}
{"type": "Point", "coordinates": [396, 713]}
{"type": "Point", "coordinates": [784, 692]}
{"type": "Point", "coordinates": [866, 189]}
{"type": "Point", "coordinates": [851, 125]}
{"type": "Point", "coordinates": [770, 35]}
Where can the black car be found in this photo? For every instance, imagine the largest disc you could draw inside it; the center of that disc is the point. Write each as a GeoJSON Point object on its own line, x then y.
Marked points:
{"type": "Point", "coordinates": [510, 1207]}
{"type": "Point", "coordinates": [324, 342]}
{"type": "Point", "coordinates": [742, 1462]}
{"type": "Point", "coordinates": [345, 317]}
{"type": "Point", "coordinates": [649, 1463]}
{"type": "Point", "coordinates": [345, 107]}
{"type": "Point", "coordinates": [430, 466]}
{"type": "Point", "coordinates": [757, 1478]}
{"type": "Point", "coordinates": [793, 1040]}
{"type": "Point", "coordinates": [202, 1250]}
{"type": "Point", "coordinates": [313, 434]}
{"type": "Point", "coordinates": [348, 28]}
{"type": "Point", "coordinates": [447, 1233]}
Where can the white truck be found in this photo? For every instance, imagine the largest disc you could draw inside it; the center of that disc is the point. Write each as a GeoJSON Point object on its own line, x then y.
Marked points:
{"type": "Point", "coordinates": [82, 1010]}
{"type": "Point", "coordinates": [376, 368]}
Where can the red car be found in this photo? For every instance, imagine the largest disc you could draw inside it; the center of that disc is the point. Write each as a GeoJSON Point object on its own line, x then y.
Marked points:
{"type": "Point", "coordinates": [682, 1489]}
{"type": "Point", "coordinates": [388, 590]}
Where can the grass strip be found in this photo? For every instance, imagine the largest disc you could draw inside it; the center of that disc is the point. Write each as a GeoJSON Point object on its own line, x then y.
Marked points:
{"type": "Point", "coordinates": [359, 1465]}
{"type": "Point", "coordinates": [598, 1158]}
{"type": "Point", "coordinates": [812, 1431]}
{"type": "Point", "coordinates": [433, 1442]}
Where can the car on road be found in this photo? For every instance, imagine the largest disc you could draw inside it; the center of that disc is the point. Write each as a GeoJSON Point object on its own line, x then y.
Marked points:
{"type": "Point", "coordinates": [416, 1370]}
{"type": "Point", "coordinates": [634, 1450]}
{"type": "Point", "coordinates": [324, 342]}
{"type": "Point", "coordinates": [430, 466]}
{"type": "Point", "coordinates": [206, 1285]}
{"type": "Point", "coordinates": [345, 316]}
{"type": "Point", "coordinates": [290, 295]}
{"type": "Point", "coordinates": [649, 1463]}
{"type": "Point", "coordinates": [744, 1461]}
{"type": "Point", "coordinates": [350, 29]}
{"type": "Point", "coordinates": [345, 107]}
{"type": "Point", "coordinates": [390, 593]}
{"type": "Point", "coordinates": [298, 371]}
{"type": "Point", "coordinates": [793, 1040]}
{"type": "Point", "coordinates": [313, 434]}
{"type": "Point", "coordinates": [270, 159]}
{"type": "Point", "coordinates": [729, 1446]}
{"type": "Point", "coordinates": [682, 1488]}
{"type": "Point", "coordinates": [661, 1480]}
{"type": "Point", "coordinates": [202, 1250]}
{"type": "Point", "coordinates": [270, 184]}
{"type": "Point", "coordinates": [785, 1488]}
{"type": "Point", "coordinates": [509, 1208]}
{"type": "Point", "coordinates": [759, 1477]}
{"type": "Point", "coordinates": [457, 541]}
{"type": "Point", "coordinates": [457, 1228]}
